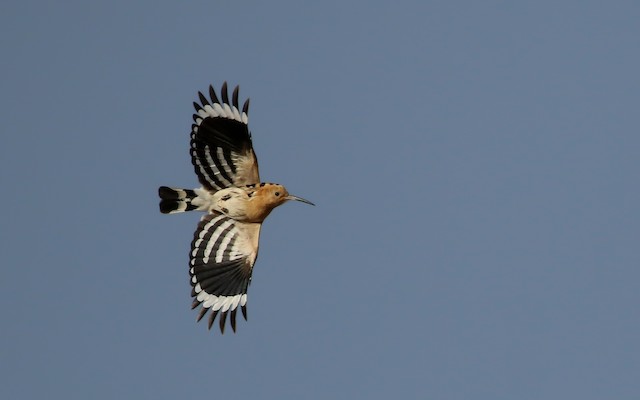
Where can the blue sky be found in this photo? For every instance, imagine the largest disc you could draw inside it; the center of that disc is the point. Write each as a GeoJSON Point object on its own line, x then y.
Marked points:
{"type": "Point", "coordinates": [474, 165]}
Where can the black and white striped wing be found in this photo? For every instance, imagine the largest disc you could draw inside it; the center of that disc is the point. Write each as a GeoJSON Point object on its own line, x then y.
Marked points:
{"type": "Point", "coordinates": [223, 252]}
{"type": "Point", "coordinates": [221, 149]}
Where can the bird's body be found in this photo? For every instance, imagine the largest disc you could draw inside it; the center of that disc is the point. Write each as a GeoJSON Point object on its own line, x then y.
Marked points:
{"type": "Point", "coordinates": [236, 203]}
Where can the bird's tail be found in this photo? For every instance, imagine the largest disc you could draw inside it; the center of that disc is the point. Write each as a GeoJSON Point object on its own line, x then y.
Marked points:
{"type": "Point", "coordinates": [176, 200]}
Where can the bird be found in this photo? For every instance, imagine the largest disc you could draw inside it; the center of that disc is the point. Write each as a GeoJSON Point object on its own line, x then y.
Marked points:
{"type": "Point", "coordinates": [235, 202]}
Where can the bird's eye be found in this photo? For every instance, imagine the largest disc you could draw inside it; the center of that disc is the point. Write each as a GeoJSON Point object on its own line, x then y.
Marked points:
{"type": "Point", "coordinates": [277, 193]}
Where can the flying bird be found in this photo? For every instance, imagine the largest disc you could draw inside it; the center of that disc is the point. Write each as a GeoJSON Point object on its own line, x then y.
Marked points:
{"type": "Point", "coordinates": [225, 244]}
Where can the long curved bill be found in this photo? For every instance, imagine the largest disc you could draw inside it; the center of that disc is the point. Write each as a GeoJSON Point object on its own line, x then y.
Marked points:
{"type": "Point", "coordinates": [292, 197]}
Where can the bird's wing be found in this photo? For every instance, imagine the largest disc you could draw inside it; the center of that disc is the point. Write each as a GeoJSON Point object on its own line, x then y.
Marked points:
{"type": "Point", "coordinates": [223, 252]}
{"type": "Point", "coordinates": [221, 149]}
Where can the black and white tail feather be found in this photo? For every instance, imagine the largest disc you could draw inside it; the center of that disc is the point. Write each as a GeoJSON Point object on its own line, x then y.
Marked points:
{"type": "Point", "coordinates": [223, 250]}
{"type": "Point", "coordinates": [174, 201]}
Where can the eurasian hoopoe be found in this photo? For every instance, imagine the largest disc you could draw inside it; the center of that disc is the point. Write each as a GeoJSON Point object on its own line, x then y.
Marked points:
{"type": "Point", "coordinates": [225, 245]}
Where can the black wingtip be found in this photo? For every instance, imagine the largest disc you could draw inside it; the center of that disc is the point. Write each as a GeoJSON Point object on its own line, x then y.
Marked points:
{"type": "Point", "coordinates": [201, 314]}
{"type": "Point", "coordinates": [212, 94]}
{"type": "Point", "coordinates": [245, 107]}
{"type": "Point", "coordinates": [233, 319]}
{"type": "Point", "coordinates": [224, 93]}
{"type": "Point", "coordinates": [244, 312]}
{"type": "Point", "coordinates": [223, 321]}
{"type": "Point", "coordinates": [203, 99]}
{"type": "Point", "coordinates": [212, 318]}
{"type": "Point", "coordinates": [235, 97]}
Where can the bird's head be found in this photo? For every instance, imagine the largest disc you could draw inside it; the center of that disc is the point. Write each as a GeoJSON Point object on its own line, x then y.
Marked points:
{"type": "Point", "coordinates": [264, 197]}
{"type": "Point", "coordinates": [272, 195]}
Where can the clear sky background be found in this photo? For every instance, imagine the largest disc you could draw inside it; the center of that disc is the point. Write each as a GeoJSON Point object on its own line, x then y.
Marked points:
{"type": "Point", "coordinates": [474, 164]}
